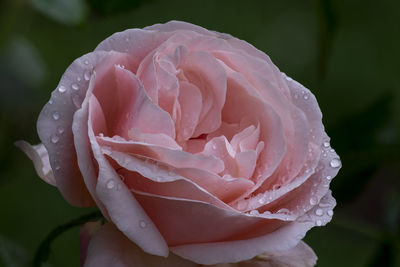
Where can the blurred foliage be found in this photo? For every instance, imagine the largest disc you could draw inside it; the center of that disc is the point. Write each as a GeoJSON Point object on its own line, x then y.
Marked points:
{"type": "Point", "coordinates": [346, 52]}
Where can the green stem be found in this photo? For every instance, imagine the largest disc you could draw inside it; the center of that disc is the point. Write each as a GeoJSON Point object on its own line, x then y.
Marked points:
{"type": "Point", "coordinates": [43, 251]}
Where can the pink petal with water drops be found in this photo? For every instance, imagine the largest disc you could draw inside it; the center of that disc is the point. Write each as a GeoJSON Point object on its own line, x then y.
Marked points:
{"type": "Point", "coordinates": [173, 157]}
{"type": "Point", "coordinates": [55, 125]}
{"type": "Point", "coordinates": [110, 247]}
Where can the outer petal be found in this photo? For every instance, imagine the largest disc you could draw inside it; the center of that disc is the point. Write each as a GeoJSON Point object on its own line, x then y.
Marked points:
{"type": "Point", "coordinates": [55, 127]}
{"type": "Point", "coordinates": [109, 247]}
{"type": "Point", "coordinates": [38, 154]}
{"type": "Point", "coordinates": [281, 240]}
{"type": "Point", "coordinates": [122, 207]}
{"type": "Point", "coordinates": [299, 256]}
{"type": "Point", "coordinates": [184, 221]}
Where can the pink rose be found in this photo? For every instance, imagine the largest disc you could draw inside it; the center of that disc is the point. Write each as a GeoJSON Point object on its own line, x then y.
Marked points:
{"type": "Point", "coordinates": [189, 141]}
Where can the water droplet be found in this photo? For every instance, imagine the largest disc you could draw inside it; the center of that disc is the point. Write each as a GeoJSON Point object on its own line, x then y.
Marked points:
{"type": "Point", "coordinates": [330, 212]}
{"type": "Point", "coordinates": [57, 167]}
{"type": "Point", "coordinates": [254, 212]}
{"type": "Point", "coordinates": [326, 144]}
{"type": "Point", "coordinates": [335, 163]}
{"type": "Point", "coordinates": [75, 86]}
{"type": "Point", "coordinates": [267, 212]}
{"type": "Point", "coordinates": [261, 200]}
{"type": "Point", "coordinates": [214, 146]}
{"type": "Point", "coordinates": [110, 184]}
{"type": "Point", "coordinates": [324, 154]}
{"type": "Point", "coordinates": [305, 96]}
{"type": "Point", "coordinates": [62, 89]}
{"type": "Point", "coordinates": [328, 177]}
{"type": "Point", "coordinates": [283, 211]}
{"type": "Point", "coordinates": [50, 101]}
{"type": "Point", "coordinates": [54, 139]}
{"type": "Point", "coordinates": [78, 79]}
{"type": "Point", "coordinates": [77, 101]}
{"type": "Point", "coordinates": [86, 75]}
{"type": "Point", "coordinates": [319, 212]}
{"type": "Point", "coordinates": [319, 222]}
{"type": "Point", "coordinates": [60, 129]}
{"type": "Point", "coordinates": [86, 62]}
{"type": "Point", "coordinates": [56, 115]}
{"type": "Point", "coordinates": [127, 39]}
{"type": "Point", "coordinates": [142, 224]}
{"type": "Point", "coordinates": [313, 201]}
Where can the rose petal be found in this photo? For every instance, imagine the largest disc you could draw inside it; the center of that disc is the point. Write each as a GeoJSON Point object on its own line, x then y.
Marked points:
{"type": "Point", "coordinates": [121, 206]}
{"type": "Point", "coordinates": [175, 158]}
{"type": "Point", "coordinates": [282, 239]}
{"type": "Point", "coordinates": [109, 247]}
{"type": "Point", "coordinates": [158, 139]}
{"type": "Point", "coordinates": [38, 154]}
{"type": "Point", "coordinates": [190, 101]}
{"type": "Point", "coordinates": [299, 256]}
{"type": "Point", "coordinates": [55, 126]}
{"type": "Point", "coordinates": [208, 75]}
{"type": "Point", "coordinates": [212, 224]}
{"type": "Point", "coordinates": [260, 112]}
{"type": "Point", "coordinates": [157, 178]}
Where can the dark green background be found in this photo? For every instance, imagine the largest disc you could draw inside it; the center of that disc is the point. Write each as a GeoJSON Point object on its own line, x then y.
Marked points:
{"type": "Point", "coordinates": [345, 52]}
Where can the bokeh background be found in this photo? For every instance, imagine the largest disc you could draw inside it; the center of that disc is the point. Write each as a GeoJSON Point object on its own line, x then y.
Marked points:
{"type": "Point", "coordinates": [347, 52]}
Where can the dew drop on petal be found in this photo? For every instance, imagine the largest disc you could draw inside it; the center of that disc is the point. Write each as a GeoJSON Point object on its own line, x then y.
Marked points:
{"type": "Point", "coordinates": [254, 212]}
{"type": "Point", "coordinates": [305, 96]}
{"type": "Point", "coordinates": [56, 115]}
{"type": "Point", "coordinates": [319, 222]}
{"type": "Point", "coordinates": [335, 163]}
{"type": "Point", "coordinates": [62, 89]}
{"type": "Point", "coordinates": [261, 200]}
{"type": "Point", "coordinates": [75, 86]}
{"type": "Point", "coordinates": [57, 167]}
{"type": "Point", "coordinates": [78, 79]}
{"type": "Point", "coordinates": [77, 101]}
{"type": "Point", "coordinates": [60, 129]}
{"type": "Point", "coordinates": [326, 144]}
{"type": "Point", "coordinates": [110, 184]}
{"type": "Point", "coordinates": [50, 101]}
{"type": "Point", "coordinates": [328, 177]}
{"type": "Point", "coordinates": [86, 75]}
{"type": "Point", "coordinates": [313, 200]}
{"type": "Point", "coordinates": [319, 212]}
{"type": "Point", "coordinates": [86, 62]}
{"type": "Point", "coordinates": [142, 224]}
{"type": "Point", "coordinates": [54, 139]}
{"type": "Point", "coordinates": [330, 212]}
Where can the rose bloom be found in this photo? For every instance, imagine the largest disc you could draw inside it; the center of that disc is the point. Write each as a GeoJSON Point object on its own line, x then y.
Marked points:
{"type": "Point", "coordinates": [193, 145]}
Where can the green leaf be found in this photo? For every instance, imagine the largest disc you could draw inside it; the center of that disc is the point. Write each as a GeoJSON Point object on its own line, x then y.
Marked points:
{"type": "Point", "coordinates": [69, 12]}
